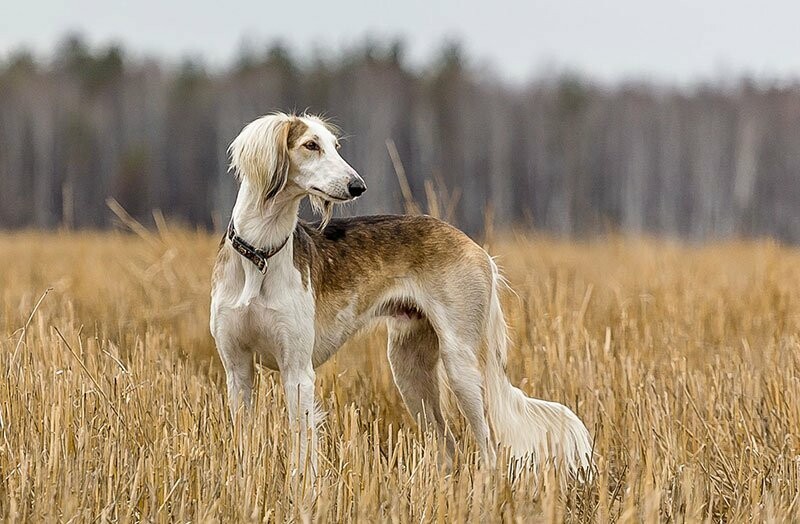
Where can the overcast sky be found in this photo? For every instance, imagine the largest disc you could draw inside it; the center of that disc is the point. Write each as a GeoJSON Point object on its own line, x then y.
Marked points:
{"type": "Point", "coordinates": [676, 41]}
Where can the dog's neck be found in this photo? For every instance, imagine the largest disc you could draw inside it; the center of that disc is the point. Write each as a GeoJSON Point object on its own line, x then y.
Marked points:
{"type": "Point", "coordinates": [265, 225]}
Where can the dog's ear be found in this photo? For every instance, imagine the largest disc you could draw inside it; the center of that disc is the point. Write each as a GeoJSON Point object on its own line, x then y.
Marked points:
{"type": "Point", "coordinates": [261, 154]}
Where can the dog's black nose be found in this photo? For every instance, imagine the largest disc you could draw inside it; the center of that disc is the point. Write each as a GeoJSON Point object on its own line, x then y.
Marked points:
{"type": "Point", "coordinates": [356, 187]}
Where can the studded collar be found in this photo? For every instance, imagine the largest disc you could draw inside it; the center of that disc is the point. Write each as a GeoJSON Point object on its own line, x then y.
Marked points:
{"type": "Point", "coordinates": [258, 257]}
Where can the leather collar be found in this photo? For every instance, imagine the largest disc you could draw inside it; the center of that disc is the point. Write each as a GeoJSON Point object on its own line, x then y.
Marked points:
{"type": "Point", "coordinates": [257, 256]}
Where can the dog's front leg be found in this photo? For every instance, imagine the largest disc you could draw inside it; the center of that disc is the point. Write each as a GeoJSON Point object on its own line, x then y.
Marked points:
{"type": "Point", "coordinates": [298, 382]}
{"type": "Point", "coordinates": [239, 372]}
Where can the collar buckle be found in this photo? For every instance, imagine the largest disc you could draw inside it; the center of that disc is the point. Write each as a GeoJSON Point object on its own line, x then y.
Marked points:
{"type": "Point", "coordinates": [262, 265]}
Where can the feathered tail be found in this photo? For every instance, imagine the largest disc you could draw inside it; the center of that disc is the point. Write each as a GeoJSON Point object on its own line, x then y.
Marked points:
{"type": "Point", "coordinates": [533, 429]}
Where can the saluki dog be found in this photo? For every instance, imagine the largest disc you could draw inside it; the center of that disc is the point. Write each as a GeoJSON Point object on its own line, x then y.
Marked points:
{"type": "Point", "coordinates": [290, 294]}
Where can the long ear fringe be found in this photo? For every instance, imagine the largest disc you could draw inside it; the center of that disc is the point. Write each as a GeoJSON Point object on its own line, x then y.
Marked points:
{"type": "Point", "coordinates": [323, 208]}
{"type": "Point", "coordinates": [260, 154]}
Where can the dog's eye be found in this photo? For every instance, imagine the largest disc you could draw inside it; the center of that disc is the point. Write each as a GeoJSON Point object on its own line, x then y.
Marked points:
{"type": "Point", "coordinates": [311, 146]}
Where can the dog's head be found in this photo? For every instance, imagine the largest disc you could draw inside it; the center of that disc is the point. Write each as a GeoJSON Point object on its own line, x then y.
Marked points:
{"type": "Point", "coordinates": [281, 152]}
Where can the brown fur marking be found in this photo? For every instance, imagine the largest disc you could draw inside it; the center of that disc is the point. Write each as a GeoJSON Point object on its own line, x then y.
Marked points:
{"type": "Point", "coordinates": [296, 129]}
{"type": "Point", "coordinates": [364, 256]}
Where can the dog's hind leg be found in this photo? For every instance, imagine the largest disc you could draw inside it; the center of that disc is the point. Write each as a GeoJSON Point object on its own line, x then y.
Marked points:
{"type": "Point", "coordinates": [460, 358]}
{"type": "Point", "coordinates": [413, 351]}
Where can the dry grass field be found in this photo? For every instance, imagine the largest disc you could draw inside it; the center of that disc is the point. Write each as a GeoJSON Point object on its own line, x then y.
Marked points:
{"type": "Point", "coordinates": [684, 362]}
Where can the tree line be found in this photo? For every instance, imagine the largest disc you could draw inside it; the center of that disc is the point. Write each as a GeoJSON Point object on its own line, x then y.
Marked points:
{"type": "Point", "coordinates": [562, 154]}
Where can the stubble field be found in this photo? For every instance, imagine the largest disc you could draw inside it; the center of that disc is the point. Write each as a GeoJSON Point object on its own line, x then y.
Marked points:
{"type": "Point", "coordinates": [683, 361]}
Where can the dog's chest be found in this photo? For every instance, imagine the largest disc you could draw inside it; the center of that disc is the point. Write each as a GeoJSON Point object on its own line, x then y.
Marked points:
{"type": "Point", "coordinates": [283, 303]}
{"type": "Point", "coordinates": [267, 313]}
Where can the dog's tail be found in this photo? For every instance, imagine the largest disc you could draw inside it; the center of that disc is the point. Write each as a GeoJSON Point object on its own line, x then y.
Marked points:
{"type": "Point", "coordinates": [534, 430]}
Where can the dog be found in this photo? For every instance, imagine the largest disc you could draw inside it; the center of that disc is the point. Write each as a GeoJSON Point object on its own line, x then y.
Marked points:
{"type": "Point", "coordinates": [290, 294]}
